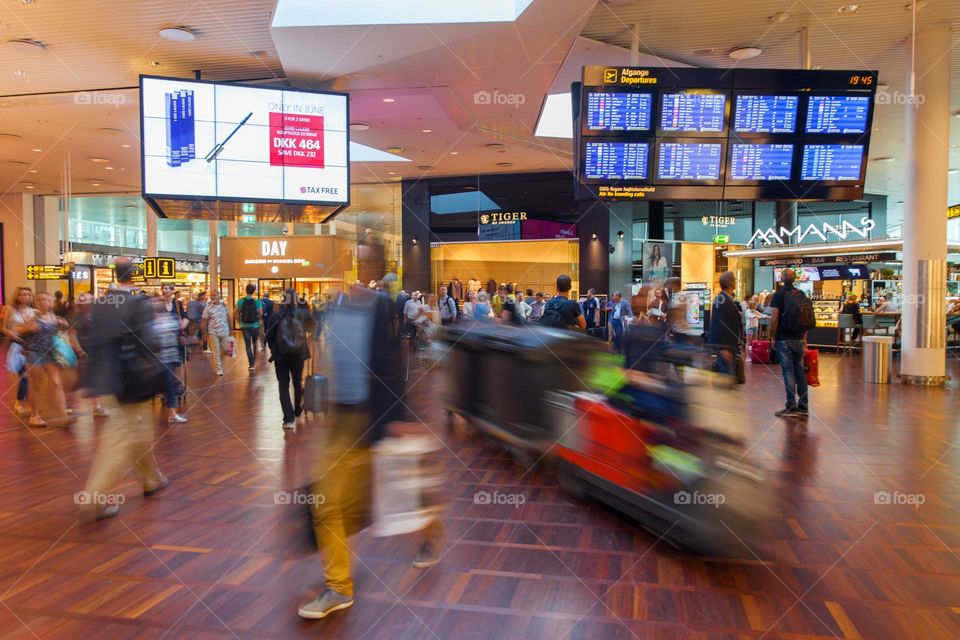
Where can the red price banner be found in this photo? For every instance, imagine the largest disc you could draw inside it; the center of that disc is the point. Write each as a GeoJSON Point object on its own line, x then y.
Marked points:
{"type": "Point", "coordinates": [296, 140]}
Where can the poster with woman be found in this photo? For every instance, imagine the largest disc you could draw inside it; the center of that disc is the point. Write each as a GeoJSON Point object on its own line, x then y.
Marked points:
{"type": "Point", "coordinates": [657, 261]}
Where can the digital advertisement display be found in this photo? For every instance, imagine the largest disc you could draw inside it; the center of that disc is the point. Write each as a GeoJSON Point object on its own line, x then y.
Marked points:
{"type": "Point", "coordinates": [619, 111]}
{"type": "Point", "coordinates": [689, 161]}
{"type": "Point", "coordinates": [656, 133]}
{"type": "Point", "coordinates": [617, 160]}
{"type": "Point", "coordinates": [832, 162]}
{"type": "Point", "coordinates": [224, 141]}
{"type": "Point", "coordinates": [765, 114]}
{"type": "Point", "coordinates": [761, 161]}
{"type": "Point", "coordinates": [693, 112]}
{"type": "Point", "coordinates": [837, 114]}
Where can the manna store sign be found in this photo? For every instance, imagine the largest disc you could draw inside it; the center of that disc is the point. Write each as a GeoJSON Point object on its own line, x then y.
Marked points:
{"type": "Point", "coordinates": [825, 231]}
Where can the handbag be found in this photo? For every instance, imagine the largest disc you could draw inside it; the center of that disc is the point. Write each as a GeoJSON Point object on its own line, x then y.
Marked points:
{"type": "Point", "coordinates": [811, 365]}
{"type": "Point", "coordinates": [63, 353]}
{"type": "Point", "coordinates": [16, 361]}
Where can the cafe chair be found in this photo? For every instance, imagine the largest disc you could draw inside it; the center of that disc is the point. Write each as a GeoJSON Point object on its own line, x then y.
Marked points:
{"type": "Point", "coordinates": [871, 325]}
{"type": "Point", "coordinates": [845, 327]}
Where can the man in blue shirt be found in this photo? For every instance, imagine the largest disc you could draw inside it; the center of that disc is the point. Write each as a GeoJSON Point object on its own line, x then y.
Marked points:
{"type": "Point", "coordinates": [590, 308]}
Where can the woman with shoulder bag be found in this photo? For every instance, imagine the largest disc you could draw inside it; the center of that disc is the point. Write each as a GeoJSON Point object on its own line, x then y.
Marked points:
{"type": "Point", "coordinates": [170, 324]}
{"type": "Point", "coordinates": [40, 335]}
{"type": "Point", "coordinates": [14, 317]}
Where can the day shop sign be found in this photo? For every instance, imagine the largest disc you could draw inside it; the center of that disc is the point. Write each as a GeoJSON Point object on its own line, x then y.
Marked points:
{"type": "Point", "coordinates": [825, 232]}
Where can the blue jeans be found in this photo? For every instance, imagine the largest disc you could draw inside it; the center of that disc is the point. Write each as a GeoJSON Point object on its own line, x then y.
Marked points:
{"type": "Point", "coordinates": [250, 337]}
{"type": "Point", "coordinates": [617, 325]}
{"type": "Point", "coordinates": [794, 377]}
{"type": "Point", "coordinates": [174, 386]}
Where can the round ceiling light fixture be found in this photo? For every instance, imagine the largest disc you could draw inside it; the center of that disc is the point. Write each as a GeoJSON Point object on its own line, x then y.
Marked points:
{"type": "Point", "coordinates": [24, 45]}
{"type": "Point", "coordinates": [848, 8]}
{"type": "Point", "coordinates": [745, 53]}
{"type": "Point", "coordinates": [99, 160]}
{"type": "Point", "coordinates": [389, 100]}
{"type": "Point", "coordinates": [394, 149]}
{"type": "Point", "coordinates": [454, 153]}
{"type": "Point", "coordinates": [426, 131]}
{"type": "Point", "coordinates": [495, 146]}
{"type": "Point", "coordinates": [359, 126]}
{"type": "Point", "coordinates": [125, 146]}
{"type": "Point", "coordinates": [178, 34]}
{"type": "Point", "coordinates": [19, 73]}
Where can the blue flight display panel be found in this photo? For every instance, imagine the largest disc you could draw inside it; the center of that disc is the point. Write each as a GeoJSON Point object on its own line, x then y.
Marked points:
{"type": "Point", "coordinates": [693, 112]}
{"type": "Point", "coordinates": [619, 111]}
{"type": "Point", "coordinates": [837, 114]}
{"type": "Point", "coordinates": [761, 161]}
{"type": "Point", "coordinates": [832, 162]}
{"type": "Point", "coordinates": [616, 160]}
{"type": "Point", "coordinates": [689, 161]}
{"type": "Point", "coordinates": [765, 114]}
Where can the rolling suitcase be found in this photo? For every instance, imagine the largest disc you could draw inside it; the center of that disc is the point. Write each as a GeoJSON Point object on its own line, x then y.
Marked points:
{"type": "Point", "coordinates": [315, 391]}
{"type": "Point", "coordinates": [760, 352]}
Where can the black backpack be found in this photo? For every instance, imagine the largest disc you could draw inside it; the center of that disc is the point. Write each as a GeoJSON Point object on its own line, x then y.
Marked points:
{"type": "Point", "coordinates": [140, 372]}
{"type": "Point", "coordinates": [553, 313]}
{"type": "Point", "coordinates": [291, 337]}
{"type": "Point", "coordinates": [248, 311]}
{"type": "Point", "coordinates": [798, 314]}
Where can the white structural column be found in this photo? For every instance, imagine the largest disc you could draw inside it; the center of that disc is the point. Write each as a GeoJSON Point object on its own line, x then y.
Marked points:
{"type": "Point", "coordinates": [214, 268]}
{"type": "Point", "coordinates": [925, 210]}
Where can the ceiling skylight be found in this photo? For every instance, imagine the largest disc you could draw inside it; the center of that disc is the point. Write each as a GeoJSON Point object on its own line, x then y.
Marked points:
{"type": "Point", "coordinates": [556, 118]}
{"type": "Point", "coordinates": [337, 13]}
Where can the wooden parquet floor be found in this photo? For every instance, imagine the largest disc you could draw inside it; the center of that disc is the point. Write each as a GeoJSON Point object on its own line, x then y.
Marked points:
{"type": "Point", "coordinates": [215, 557]}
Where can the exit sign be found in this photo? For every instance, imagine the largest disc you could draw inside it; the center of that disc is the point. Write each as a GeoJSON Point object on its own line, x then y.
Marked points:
{"type": "Point", "coordinates": [721, 239]}
{"type": "Point", "coordinates": [248, 219]}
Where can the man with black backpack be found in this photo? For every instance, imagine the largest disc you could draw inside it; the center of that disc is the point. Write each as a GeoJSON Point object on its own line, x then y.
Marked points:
{"type": "Point", "coordinates": [792, 317]}
{"type": "Point", "coordinates": [560, 311]}
{"type": "Point", "coordinates": [249, 315]}
{"type": "Point", "coordinates": [287, 336]}
{"type": "Point", "coordinates": [448, 307]}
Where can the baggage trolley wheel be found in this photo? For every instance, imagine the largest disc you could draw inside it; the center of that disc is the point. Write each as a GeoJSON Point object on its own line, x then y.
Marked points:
{"type": "Point", "coordinates": [572, 486]}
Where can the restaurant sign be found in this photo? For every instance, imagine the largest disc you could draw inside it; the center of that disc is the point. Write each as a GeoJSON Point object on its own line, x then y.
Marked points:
{"type": "Point", "coordinates": [852, 258]}
{"type": "Point", "coordinates": [824, 231]}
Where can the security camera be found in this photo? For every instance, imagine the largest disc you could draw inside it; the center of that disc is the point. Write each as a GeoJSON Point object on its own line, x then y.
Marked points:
{"type": "Point", "coordinates": [284, 229]}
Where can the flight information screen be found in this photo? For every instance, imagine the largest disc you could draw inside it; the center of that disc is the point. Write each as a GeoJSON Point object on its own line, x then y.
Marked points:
{"type": "Point", "coordinates": [761, 161]}
{"type": "Point", "coordinates": [616, 160]}
{"type": "Point", "coordinates": [765, 114]}
{"type": "Point", "coordinates": [689, 161]}
{"type": "Point", "coordinates": [619, 111]}
{"type": "Point", "coordinates": [837, 114]}
{"type": "Point", "coordinates": [693, 112]}
{"type": "Point", "coordinates": [832, 162]}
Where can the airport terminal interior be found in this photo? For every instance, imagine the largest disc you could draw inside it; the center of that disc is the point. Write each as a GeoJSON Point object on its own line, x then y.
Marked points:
{"type": "Point", "coordinates": [480, 319]}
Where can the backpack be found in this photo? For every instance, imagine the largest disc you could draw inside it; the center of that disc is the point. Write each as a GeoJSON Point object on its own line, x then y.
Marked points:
{"type": "Point", "coordinates": [798, 312]}
{"type": "Point", "coordinates": [291, 337]}
{"type": "Point", "coordinates": [552, 313]}
{"type": "Point", "coordinates": [141, 374]}
{"type": "Point", "coordinates": [248, 311]}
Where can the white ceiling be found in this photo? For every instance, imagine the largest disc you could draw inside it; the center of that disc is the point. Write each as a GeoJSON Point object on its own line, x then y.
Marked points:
{"type": "Point", "coordinates": [438, 75]}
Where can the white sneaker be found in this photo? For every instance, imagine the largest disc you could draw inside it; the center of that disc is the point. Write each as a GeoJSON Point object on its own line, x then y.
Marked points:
{"type": "Point", "coordinates": [289, 425]}
{"type": "Point", "coordinates": [19, 409]}
{"type": "Point", "coordinates": [220, 372]}
{"type": "Point", "coordinates": [101, 411]}
{"type": "Point", "coordinates": [207, 351]}
{"type": "Point", "coordinates": [36, 421]}
{"type": "Point", "coordinates": [176, 418]}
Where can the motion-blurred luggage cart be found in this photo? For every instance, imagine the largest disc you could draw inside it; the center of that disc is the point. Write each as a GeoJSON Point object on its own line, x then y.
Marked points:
{"type": "Point", "coordinates": [408, 484]}
{"type": "Point", "coordinates": [654, 450]}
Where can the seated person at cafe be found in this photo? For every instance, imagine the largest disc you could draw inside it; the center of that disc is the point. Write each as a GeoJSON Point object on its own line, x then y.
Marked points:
{"type": "Point", "coordinates": [884, 306]}
{"type": "Point", "coordinates": [852, 308]}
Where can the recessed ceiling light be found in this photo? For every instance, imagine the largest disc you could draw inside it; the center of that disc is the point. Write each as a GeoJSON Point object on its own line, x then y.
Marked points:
{"type": "Point", "coordinates": [394, 149]}
{"type": "Point", "coordinates": [154, 63]}
{"type": "Point", "coordinates": [32, 171]}
{"type": "Point", "coordinates": [849, 8]}
{"type": "Point", "coordinates": [745, 53]}
{"type": "Point", "coordinates": [425, 131]}
{"type": "Point", "coordinates": [391, 173]}
{"type": "Point", "coordinates": [389, 100]}
{"type": "Point", "coordinates": [19, 74]}
{"type": "Point", "coordinates": [37, 149]}
{"type": "Point", "coordinates": [494, 146]}
{"type": "Point", "coordinates": [359, 126]}
{"type": "Point", "coordinates": [95, 184]}
{"type": "Point", "coordinates": [454, 153]}
{"type": "Point", "coordinates": [884, 159]}
{"type": "Point", "coordinates": [100, 160]}
{"type": "Point", "coordinates": [125, 146]}
{"type": "Point", "coordinates": [26, 1]}
{"type": "Point", "coordinates": [178, 34]}
{"type": "Point", "coordinates": [504, 164]}
{"type": "Point", "coordinates": [109, 168]}
{"type": "Point", "coordinates": [24, 45]}
{"type": "Point", "coordinates": [29, 186]}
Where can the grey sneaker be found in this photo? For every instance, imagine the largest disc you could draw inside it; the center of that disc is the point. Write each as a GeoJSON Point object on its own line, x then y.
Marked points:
{"type": "Point", "coordinates": [325, 604]}
{"type": "Point", "coordinates": [426, 557]}
{"type": "Point", "coordinates": [789, 412]}
{"type": "Point", "coordinates": [802, 413]}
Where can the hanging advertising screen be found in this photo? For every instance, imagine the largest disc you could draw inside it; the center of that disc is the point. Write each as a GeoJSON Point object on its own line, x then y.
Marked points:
{"type": "Point", "coordinates": [205, 140]}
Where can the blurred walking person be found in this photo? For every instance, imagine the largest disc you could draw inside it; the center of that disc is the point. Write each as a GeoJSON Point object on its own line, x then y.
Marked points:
{"type": "Point", "coordinates": [124, 359]}
{"type": "Point", "coordinates": [194, 314]}
{"type": "Point", "coordinates": [169, 352]}
{"type": "Point", "coordinates": [215, 325]}
{"type": "Point", "coordinates": [725, 325]}
{"type": "Point", "coordinates": [15, 316]}
{"type": "Point", "coordinates": [85, 337]}
{"type": "Point", "coordinates": [287, 337]}
{"type": "Point", "coordinates": [43, 371]}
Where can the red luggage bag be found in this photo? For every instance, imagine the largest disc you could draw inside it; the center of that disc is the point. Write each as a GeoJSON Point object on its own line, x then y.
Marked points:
{"type": "Point", "coordinates": [760, 352]}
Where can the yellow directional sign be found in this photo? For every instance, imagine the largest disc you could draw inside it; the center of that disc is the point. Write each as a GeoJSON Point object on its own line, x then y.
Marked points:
{"type": "Point", "coordinates": [166, 268]}
{"type": "Point", "coordinates": [45, 271]}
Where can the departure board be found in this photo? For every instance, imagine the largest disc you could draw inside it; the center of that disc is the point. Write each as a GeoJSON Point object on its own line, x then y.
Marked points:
{"type": "Point", "coordinates": [765, 114]}
{"type": "Point", "coordinates": [693, 112]}
{"type": "Point", "coordinates": [832, 162]}
{"type": "Point", "coordinates": [689, 161]}
{"type": "Point", "coordinates": [619, 111]}
{"type": "Point", "coordinates": [616, 160]}
{"type": "Point", "coordinates": [761, 161]}
{"type": "Point", "coordinates": [837, 114]}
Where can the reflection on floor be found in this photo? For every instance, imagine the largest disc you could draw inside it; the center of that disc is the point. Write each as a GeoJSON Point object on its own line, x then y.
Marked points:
{"type": "Point", "coordinates": [214, 556]}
